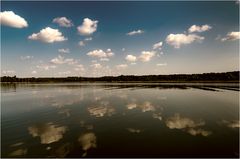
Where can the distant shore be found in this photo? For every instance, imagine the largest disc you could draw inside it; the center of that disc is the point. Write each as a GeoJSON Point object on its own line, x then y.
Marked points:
{"type": "Point", "coordinates": [225, 77]}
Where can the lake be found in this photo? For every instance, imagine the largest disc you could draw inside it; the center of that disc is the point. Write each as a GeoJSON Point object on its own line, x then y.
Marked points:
{"type": "Point", "coordinates": [120, 120]}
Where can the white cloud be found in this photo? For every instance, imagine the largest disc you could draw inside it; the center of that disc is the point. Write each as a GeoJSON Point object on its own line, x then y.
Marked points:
{"type": "Point", "coordinates": [100, 53]}
{"type": "Point", "coordinates": [61, 60]}
{"type": "Point", "coordinates": [146, 56]}
{"type": "Point", "coordinates": [81, 43]}
{"type": "Point", "coordinates": [48, 35]}
{"type": "Point", "coordinates": [8, 72]}
{"type": "Point", "coordinates": [195, 28]}
{"type": "Point", "coordinates": [177, 40]}
{"type": "Point", "coordinates": [231, 36]}
{"type": "Point", "coordinates": [46, 66]}
{"type": "Point", "coordinates": [63, 21]}
{"type": "Point", "coordinates": [135, 32]}
{"type": "Point", "coordinates": [64, 73]}
{"type": "Point", "coordinates": [121, 66]}
{"type": "Point", "coordinates": [26, 57]}
{"type": "Point", "coordinates": [34, 72]}
{"type": "Point", "coordinates": [104, 59]}
{"type": "Point", "coordinates": [64, 50]}
{"type": "Point", "coordinates": [96, 66]}
{"type": "Point", "coordinates": [79, 68]}
{"type": "Point", "coordinates": [158, 46]}
{"type": "Point", "coordinates": [88, 39]}
{"type": "Point", "coordinates": [162, 64]}
{"type": "Point", "coordinates": [131, 58]}
{"type": "Point", "coordinates": [9, 18]}
{"type": "Point", "coordinates": [88, 27]}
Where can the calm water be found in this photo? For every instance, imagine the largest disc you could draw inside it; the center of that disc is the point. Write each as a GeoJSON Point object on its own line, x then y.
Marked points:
{"type": "Point", "coordinates": [119, 120]}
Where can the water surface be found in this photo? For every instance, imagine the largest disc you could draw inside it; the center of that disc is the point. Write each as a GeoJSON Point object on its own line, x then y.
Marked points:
{"type": "Point", "coordinates": [119, 120]}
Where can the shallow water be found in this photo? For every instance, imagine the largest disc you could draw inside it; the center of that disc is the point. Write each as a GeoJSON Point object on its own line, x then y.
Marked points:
{"type": "Point", "coordinates": [119, 120]}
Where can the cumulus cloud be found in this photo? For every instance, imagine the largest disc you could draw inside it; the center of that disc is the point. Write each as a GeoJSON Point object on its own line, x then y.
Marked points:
{"type": "Point", "coordinates": [34, 72]}
{"type": "Point", "coordinates": [158, 46]}
{"type": "Point", "coordinates": [8, 72]}
{"type": "Point", "coordinates": [46, 66]}
{"type": "Point", "coordinates": [100, 53]}
{"type": "Point", "coordinates": [135, 32]}
{"type": "Point", "coordinates": [81, 43]}
{"type": "Point", "coordinates": [9, 18]}
{"type": "Point", "coordinates": [64, 73]}
{"type": "Point", "coordinates": [48, 35]}
{"type": "Point", "coordinates": [162, 64]}
{"type": "Point", "coordinates": [64, 50]}
{"type": "Point", "coordinates": [61, 60]}
{"type": "Point", "coordinates": [121, 66]}
{"type": "Point", "coordinates": [26, 57]}
{"type": "Point", "coordinates": [63, 21]}
{"type": "Point", "coordinates": [88, 27]}
{"type": "Point", "coordinates": [79, 68]}
{"type": "Point", "coordinates": [195, 28]}
{"type": "Point", "coordinates": [88, 39]}
{"type": "Point", "coordinates": [131, 58]}
{"type": "Point", "coordinates": [146, 56]}
{"type": "Point", "coordinates": [231, 36]}
{"type": "Point", "coordinates": [104, 59]}
{"type": "Point", "coordinates": [96, 65]}
{"type": "Point", "coordinates": [177, 40]}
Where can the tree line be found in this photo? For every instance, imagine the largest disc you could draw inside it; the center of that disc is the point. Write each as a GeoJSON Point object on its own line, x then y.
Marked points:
{"type": "Point", "coordinates": [205, 77]}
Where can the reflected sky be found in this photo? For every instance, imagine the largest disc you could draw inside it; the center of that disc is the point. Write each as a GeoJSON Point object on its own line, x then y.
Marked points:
{"type": "Point", "coordinates": [48, 133]}
{"type": "Point", "coordinates": [89, 120]}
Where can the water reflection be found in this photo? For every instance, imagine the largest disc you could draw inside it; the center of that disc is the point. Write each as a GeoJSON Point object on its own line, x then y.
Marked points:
{"type": "Point", "coordinates": [87, 141]}
{"type": "Point", "coordinates": [134, 130]}
{"type": "Point", "coordinates": [101, 110]}
{"type": "Point", "coordinates": [150, 113]}
{"type": "Point", "coordinates": [231, 124]}
{"type": "Point", "coordinates": [186, 124]}
{"type": "Point", "coordinates": [63, 150]}
{"type": "Point", "coordinates": [48, 133]}
{"type": "Point", "coordinates": [157, 116]}
{"type": "Point", "coordinates": [144, 107]}
{"type": "Point", "coordinates": [18, 152]}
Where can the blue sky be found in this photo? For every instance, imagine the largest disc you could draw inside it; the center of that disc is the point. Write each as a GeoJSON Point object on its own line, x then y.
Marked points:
{"type": "Point", "coordinates": [118, 38]}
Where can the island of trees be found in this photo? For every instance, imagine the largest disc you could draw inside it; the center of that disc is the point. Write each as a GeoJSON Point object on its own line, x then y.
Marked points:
{"type": "Point", "coordinates": [205, 77]}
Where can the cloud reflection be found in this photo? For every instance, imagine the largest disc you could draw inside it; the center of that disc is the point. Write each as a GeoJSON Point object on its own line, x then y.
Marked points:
{"type": "Point", "coordinates": [133, 130]}
{"type": "Point", "coordinates": [145, 107]}
{"type": "Point", "coordinates": [48, 133]}
{"type": "Point", "coordinates": [87, 141]}
{"type": "Point", "coordinates": [18, 152]}
{"type": "Point", "coordinates": [103, 109]}
{"type": "Point", "coordinates": [232, 124]}
{"type": "Point", "coordinates": [188, 125]}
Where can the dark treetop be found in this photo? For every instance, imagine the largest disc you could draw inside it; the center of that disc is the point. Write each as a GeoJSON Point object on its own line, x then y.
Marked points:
{"type": "Point", "coordinates": [205, 77]}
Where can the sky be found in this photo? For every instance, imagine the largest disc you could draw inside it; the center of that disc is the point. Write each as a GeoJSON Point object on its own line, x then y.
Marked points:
{"type": "Point", "coordinates": [91, 39]}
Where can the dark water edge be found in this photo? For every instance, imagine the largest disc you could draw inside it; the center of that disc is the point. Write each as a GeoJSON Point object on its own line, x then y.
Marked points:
{"type": "Point", "coordinates": [120, 120]}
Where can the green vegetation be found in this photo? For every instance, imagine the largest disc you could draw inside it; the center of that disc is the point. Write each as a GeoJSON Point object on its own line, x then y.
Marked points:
{"type": "Point", "coordinates": [205, 77]}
